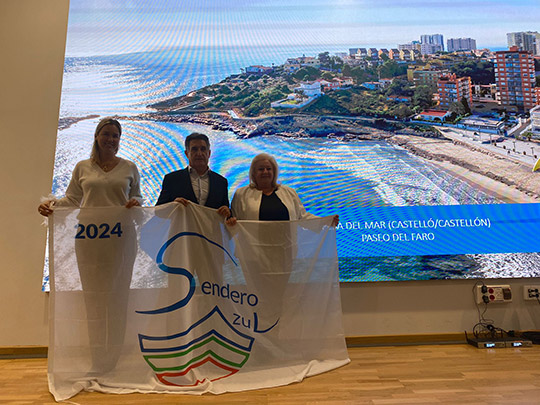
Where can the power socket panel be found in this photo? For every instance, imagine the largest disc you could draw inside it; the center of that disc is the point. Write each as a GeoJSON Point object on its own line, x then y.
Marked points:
{"type": "Point", "coordinates": [493, 294]}
{"type": "Point", "coordinates": [531, 292]}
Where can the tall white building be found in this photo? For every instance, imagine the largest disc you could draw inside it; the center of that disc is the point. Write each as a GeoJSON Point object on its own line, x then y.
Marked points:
{"type": "Point", "coordinates": [526, 41]}
{"type": "Point", "coordinates": [431, 43]}
{"type": "Point", "coordinates": [430, 49]}
{"type": "Point", "coordinates": [460, 44]}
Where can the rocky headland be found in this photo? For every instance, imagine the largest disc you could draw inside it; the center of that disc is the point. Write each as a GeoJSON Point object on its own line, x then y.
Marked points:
{"type": "Point", "coordinates": [296, 125]}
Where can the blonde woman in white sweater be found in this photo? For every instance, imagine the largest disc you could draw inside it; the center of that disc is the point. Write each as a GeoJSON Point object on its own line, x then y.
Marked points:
{"type": "Point", "coordinates": [104, 265]}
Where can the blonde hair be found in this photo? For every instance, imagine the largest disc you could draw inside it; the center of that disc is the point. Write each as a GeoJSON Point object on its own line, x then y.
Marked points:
{"type": "Point", "coordinates": [94, 154]}
{"type": "Point", "coordinates": [273, 163]}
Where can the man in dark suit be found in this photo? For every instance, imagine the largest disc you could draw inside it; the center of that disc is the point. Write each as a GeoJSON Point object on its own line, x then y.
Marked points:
{"type": "Point", "coordinates": [196, 183]}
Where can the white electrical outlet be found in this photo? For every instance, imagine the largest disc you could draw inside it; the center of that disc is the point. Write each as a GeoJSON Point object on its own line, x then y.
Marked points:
{"type": "Point", "coordinates": [493, 294]}
{"type": "Point", "coordinates": [531, 292]}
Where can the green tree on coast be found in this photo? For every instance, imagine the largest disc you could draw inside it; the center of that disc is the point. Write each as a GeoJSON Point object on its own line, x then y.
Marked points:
{"type": "Point", "coordinates": [307, 73]}
{"type": "Point", "coordinates": [401, 111]}
{"type": "Point", "coordinates": [400, 87]}
{"type": "Point", "coordinates": [480, 72]}
{"type": "Point", "coordinates": [363, 75]}
{"type": "Point", "coordinates": [327, 76]}
{"type": "Point", "coordinates": [423, 97]}
{"type": "Point", "coordinates": [327, 105]}
{"type": "Point", "coordinates": [461, 107]}
{"type": "Point", "coordinates": [391, 68]}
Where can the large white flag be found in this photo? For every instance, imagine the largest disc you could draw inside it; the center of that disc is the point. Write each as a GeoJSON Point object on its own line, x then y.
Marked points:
{"type": "Point", "coordinates": [169, 299]}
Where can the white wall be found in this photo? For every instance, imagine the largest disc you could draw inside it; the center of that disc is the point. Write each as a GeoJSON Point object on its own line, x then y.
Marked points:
{"type": "Point", "coordinates": [425, 307]}
{"type": "Point", "coordinates": [32, 38]}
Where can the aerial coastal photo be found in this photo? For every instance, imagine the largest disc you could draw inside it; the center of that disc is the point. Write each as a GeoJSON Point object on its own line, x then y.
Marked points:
{"type": "Point", "coordinates": [363, 104]}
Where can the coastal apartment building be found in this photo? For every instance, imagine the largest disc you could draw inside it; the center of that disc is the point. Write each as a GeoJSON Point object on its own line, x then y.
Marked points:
{"type": "Point", "coordinates": [385, 52]}
{"type": "Point", "coordinates": [373, 53]}
{"type": "Point", "coordinates": [291, 65]}
{"type": "Point", "coordinates": [309, 61]}
{"type": "Point", "coordinates": [515, 78]}
{"type": "Point", "coordinates": [411, 46]}
{"type": "Point", "coordinates": [460, 44]}
{"type": "Point", "coordinates": [404, 54]}
{"type": "Point", "coordinates": [361, 53]}
{"type": "Point", "coordinates": [453, 89]}
{"type": "Point", "coordinates": [394, 54]}
{"type": "Point", "coordinates": [430, 44]}
{"type": "Point", "coordinates": [526, 41]}
{"type": "Point", "coordinates": [430, 49]}
{"type": "Point", "coordinates": [426, 77]}
{"type": "Point", "coordinates": [294, 64]}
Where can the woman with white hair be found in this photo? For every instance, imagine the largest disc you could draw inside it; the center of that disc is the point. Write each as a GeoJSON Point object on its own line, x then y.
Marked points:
{"type": "Point", "coordinates": [267, 251]}
{"type": "Point", "coordinates": [266, 200]}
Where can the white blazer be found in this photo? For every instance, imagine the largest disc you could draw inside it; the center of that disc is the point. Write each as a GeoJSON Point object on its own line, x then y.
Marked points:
{"type": "Point", "coordinates": [247, 201]}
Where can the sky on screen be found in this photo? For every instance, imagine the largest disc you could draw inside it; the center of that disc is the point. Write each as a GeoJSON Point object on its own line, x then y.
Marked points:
{"type": "Point", "coordinates": [102, 27]}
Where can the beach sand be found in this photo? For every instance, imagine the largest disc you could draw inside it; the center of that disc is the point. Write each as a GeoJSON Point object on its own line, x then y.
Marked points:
{"type": "Point", "coordinates": [511, 181]}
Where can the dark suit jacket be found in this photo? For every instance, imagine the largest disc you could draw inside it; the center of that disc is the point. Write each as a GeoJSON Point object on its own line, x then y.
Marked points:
{"type": "Point", "coordinates": [178, 184]}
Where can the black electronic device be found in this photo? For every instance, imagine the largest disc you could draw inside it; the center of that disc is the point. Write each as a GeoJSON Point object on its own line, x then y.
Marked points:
{"type": "Point", "coordinates": [498, 342]}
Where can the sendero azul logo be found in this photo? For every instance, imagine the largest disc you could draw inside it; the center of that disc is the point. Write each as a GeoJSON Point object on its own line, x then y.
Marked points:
{"type": "Point", "coordinates": [211, 349]}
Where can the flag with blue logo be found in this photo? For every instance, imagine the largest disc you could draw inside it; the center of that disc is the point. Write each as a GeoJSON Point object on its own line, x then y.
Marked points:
{"type": "Point", "coordinates": [169, 299]}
